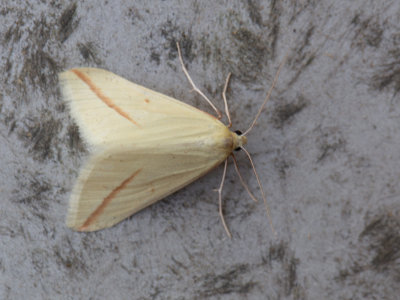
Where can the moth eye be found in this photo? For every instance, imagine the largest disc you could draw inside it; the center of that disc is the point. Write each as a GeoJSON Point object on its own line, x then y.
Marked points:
{"type": "Point", "coordinates": [237, 149]}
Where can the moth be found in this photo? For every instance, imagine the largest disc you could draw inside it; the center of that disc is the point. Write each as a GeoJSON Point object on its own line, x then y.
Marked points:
{"type": "Point", "coordinates": [143, 145]}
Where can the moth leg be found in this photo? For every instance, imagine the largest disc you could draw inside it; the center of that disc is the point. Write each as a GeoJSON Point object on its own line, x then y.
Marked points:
{"type": "Point", "coordinates": [195, 88]}
{"type": "Point", "coordinates": [241, 178]}
{"type": "Point", "coordinates": [261, 189]}
{"type": "Point", "coordinates": [225, 102]}
{"type": "Point", "coordinates": [221, 214]}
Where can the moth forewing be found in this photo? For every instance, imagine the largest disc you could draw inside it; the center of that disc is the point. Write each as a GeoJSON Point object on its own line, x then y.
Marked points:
{"type": "Point", "coordinates": [142, 146]}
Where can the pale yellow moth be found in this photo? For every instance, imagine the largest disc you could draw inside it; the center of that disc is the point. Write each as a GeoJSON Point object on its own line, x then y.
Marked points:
{"type": "Point", "coordinates": [143, 146]}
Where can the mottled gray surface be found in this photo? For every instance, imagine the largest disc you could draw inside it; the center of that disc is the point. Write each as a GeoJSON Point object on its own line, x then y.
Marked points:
{"type": "Point", "coordinates": [326, 148]}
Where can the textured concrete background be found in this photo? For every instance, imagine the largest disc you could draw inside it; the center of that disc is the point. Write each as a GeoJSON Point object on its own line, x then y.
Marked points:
{"type": "Point", "coordinates": [326, 148]}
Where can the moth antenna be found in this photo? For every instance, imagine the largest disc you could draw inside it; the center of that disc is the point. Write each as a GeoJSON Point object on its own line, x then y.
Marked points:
{"type": "Point", "coordinates": [262, 190]}
{"type": "Point", "coordinates": [195, 88]}
{"type": "Point", "coordinates": [225, 102]}
{"type": "Point", "coordinates": [267, 97]}
{"type": "Point", "coordinates": [221, 214]}
{"type": "Point", "coordinates": [241, 178]}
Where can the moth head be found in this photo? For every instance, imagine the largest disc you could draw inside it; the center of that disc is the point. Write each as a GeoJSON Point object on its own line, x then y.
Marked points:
{"type": "Point", "coordinates": [239, 140]}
